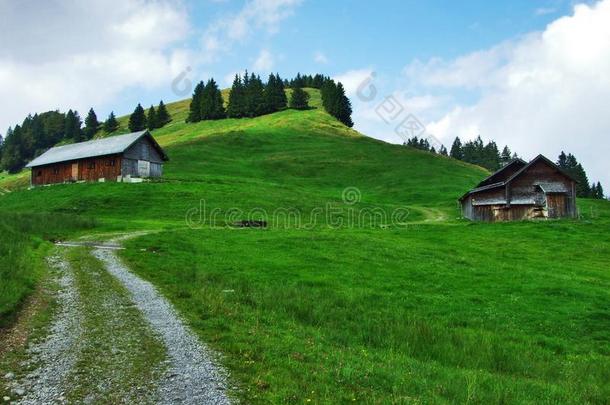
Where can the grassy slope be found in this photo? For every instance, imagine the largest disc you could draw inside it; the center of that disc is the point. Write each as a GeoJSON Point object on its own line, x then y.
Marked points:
{"type": "Point", "coordinates": [22, 251]}
{"type": "Point", "coordinates": [445, 311]}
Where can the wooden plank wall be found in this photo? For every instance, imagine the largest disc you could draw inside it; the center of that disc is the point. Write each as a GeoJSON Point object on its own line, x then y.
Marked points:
{"type": "Point", "coordinates": [91, 169]}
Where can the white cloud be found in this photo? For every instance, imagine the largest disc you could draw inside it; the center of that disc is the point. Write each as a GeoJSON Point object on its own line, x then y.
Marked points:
{"type": "Point", "coordinates": [68, 54]}
{"type": "Point", "coordinates": [320, 57]}
{"type": "Point", "coordinates": [353, 79]}
{"type": "Point", "coordinates": [264, 62]}
{"type": "Point", "coordinates": [256, 15]}
{"type": "Point", "coordinates": [541, 93]}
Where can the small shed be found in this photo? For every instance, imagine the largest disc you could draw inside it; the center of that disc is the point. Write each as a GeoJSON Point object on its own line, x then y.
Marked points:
{"type": "Point", "coordinates": [116, 158]}
{"type": "Point", "coordinates": [520, 190]}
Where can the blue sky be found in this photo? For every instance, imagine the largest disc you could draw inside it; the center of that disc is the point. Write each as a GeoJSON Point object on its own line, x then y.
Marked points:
{"type": "Point", "coordinates": [531, 74]}
{"type": "Point", "coordinates": [344, 35]}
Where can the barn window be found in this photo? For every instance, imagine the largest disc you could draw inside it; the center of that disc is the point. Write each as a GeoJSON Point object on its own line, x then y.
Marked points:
{"type": "Point", "coordinates": [39, 173]}
{"type": "Point", "coordinates": [91, 165]}
{"type": "Point", "coordinates": [110, 162]}
{"type": "Point", "coordinates": [56, 170]}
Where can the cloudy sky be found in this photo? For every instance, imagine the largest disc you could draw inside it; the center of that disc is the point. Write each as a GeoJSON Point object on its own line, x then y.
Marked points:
{"type": "Point", "coordinates": [531, 74]}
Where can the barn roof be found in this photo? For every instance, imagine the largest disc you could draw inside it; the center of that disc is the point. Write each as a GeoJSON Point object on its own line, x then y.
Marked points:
{"type": "Point", "coordinates": [99, 147]}
{"type": "Point", "coordinates": [501, 174]}
{"type": "Point", "coordinates": [549, 189]}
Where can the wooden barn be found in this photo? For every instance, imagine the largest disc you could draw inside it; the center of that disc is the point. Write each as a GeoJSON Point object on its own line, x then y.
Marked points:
{"type": "Point", "coordinates": [116, 158]}
{"type": "Point", "coordinates": [520, 190]}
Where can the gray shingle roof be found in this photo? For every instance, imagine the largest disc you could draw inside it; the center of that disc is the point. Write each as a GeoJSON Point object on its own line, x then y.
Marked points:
{"type": "Point", "coordinates": [99, 147]}
{"type": "Point", "coordinates": [553, 187]}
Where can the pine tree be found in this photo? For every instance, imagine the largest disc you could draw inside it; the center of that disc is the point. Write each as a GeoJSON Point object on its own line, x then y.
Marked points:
{"type": "Point", "coordinates": [583, 189]}
{"type": "Point", "coordinates": [92, 125]}
{"type": "Point", "coordinates": [570, 164]}
{"type": "Point", "coordinates": [443, 150]}
{"type": "Point", "coordinates": [12, 159]}
{"type": "Point", "coordinates": [329, 94]}
{"type": "Point", "coordinates": [255, 97]}
{"type": "Point", "coordinates": [163, 117]}
{"type": "Point", "coordinates": [506, 156]}
{"type": "Point", "coordinates": [212, 104]}
{"type": "Point", "coordinates": [343, 106]}
{"type": "Point", "coordinates": [111, 123]}
{"type": "Point", "coordinates": [151, 119]}
{"type": "Point", "coordinates": [600, 191]}
{"type": "Point", "coordinates": [562, 161]}
{"type": "Point", "coordinates": [236, 106]}
{"type": "Point", "coordinates": [456, 149]}
{"type": "Point", "coordinates": [491, 156]}
{"type": "Point", "coordinates": [72, 127]}
{"type": "Point", "coordinates": [299, 99]}
{"type": "Point", "coordinates": [137, 120]}
{"type": "Point", "coordinates": [275, 94]}
{"type": "Point", "coordinates": [196, 103]}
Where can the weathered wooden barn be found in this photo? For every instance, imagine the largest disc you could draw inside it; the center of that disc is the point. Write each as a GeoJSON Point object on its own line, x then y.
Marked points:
{"type": "Point", "coordinates": [520, 190]}
{"type": "Point", "coordinates": [116, 158]}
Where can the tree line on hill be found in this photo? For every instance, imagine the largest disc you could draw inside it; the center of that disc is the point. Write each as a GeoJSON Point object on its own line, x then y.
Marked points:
{"type": "Point", "coordinates": [481, 154]}
{"type": "Point", "coordinates": [250, 97]}
{"type": "Point", "coordinates": [39, 132]}
{"type": "Point", "coordinates": [583, 189]}
{"type": "Point", "coordinates": [489, 157]}
{"type": "Point", "coordinates": [155, 118]}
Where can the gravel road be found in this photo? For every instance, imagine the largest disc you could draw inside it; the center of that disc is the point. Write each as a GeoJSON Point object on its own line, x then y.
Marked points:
{"type": "Point", "coordinates": [192, 377]}
{"type": "Point", "coordinates": [55, 356]}
{"type": "Point", "coordinates": [66, 367]}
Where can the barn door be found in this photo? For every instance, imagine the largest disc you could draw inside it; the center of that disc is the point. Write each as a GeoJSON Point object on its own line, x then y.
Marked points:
{"type": "Point", "coordinates": [75, 171]}
{"type": "Point", "coordinates": [557, 205]}
{"type": "Point", "coordinates": [143, 168]}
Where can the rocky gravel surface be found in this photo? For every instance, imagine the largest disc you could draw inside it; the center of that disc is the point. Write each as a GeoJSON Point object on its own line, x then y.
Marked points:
{"type": "Point", "coordinates": [53, 358]}
{"type": "Point", "coordinates": [193, 377]}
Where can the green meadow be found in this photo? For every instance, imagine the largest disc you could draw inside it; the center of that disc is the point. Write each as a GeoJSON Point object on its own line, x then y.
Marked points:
{"type": "Point", "coordinates": [426, 308]}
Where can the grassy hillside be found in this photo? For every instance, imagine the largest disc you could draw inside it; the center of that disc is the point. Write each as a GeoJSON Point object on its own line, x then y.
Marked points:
{"type": "Point", "coordinates": [291, 159]}
{"type": "Point", "coordinates": [22, 250]}
{"type": "Point", "coordinates": [431, 309]}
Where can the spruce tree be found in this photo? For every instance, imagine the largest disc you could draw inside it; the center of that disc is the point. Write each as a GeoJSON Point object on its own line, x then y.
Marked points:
{"type": "Point", "coordinates": [562, 161]}
{"type": "Point", "coordinates": [583, 189]}
{"type": "Point", "coordinates": [443, 150]}
{"type": "Point", "coordinates": [255, 97]}
{"type": "Point", "coordinates": [456, 149]}
{"type": "Point", "coordinates": [575, 169]}
{"type": "Point", "coordinates": [137, 120]}
{"type": "Point", "coordinates": [151, 119]}
{"type": "Point", "coordinates": [329, 95]}
{"type": "Point", "coordinates": [275, 95]}
{"type": "Point", "coordinates": [163, 117]}
{"type": "Point", "coordinates": [111, 123]}
{"type": "Point", "coordinates": [91, 124]}
{"type": "Point", "coordinates": [212, 105]}
{"type": "Point", "coordinates": [343, 106]}
{"type": "Point", "coordinates": [600, 191]}
{"type": "Point", "coordinates": [72, 127]}
{"type": "Point", "coordinates": [506, 156]}
{"type": "Point", "coordinates": [196, 103]}
{"type": "Point", "coordinates": [12, 159]}
{"type": "Point", "coordinates": [236, 106]}
{"type": "Point", "coordinates": [491, 156]}
{"type": "Point", "coordinates": [299, 99]}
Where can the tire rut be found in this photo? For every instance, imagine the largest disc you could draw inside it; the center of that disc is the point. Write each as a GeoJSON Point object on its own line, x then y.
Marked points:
{"type": "Point", "coordinates": [193, 376]}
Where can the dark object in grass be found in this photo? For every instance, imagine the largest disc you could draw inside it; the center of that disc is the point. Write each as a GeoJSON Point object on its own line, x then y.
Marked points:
{"type": "Point", "coordinates": [249, 223]}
